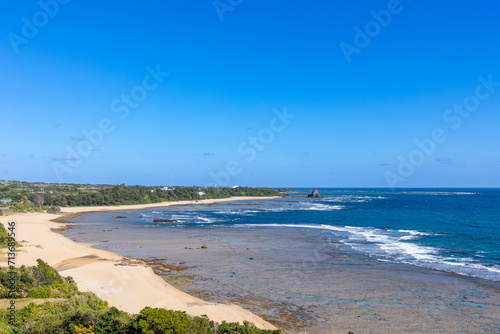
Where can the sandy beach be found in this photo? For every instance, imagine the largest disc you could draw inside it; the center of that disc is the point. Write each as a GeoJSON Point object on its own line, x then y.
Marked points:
{"type": "Point", "coordinates": [127, 287]}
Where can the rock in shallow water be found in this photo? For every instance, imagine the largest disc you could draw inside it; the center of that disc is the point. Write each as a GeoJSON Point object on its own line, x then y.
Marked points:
{"type": "Point", "coordinates": [314, 194]}
{"type": "Point", "coordinates": [159, 220]}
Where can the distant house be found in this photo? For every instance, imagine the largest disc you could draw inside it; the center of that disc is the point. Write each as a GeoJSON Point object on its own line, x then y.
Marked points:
{"type": "Point", "coordinates": [164, 188]}
{"type": "Point", "coordinates": [235, 187]}
{"type": "Point", "coordinates": [201, 193]}
{"type": "Point", "coordinates": [5, 201]}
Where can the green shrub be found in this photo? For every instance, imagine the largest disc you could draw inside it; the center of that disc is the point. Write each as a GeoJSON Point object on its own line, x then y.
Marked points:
{"type": "Point", "coordinates": [113, 321]}
{"type": "Point", "coordinates": [203, 325]}
{"type": "Point", "coordinates": [158, 320]}
{"type": "Point", "coordinates": [40, 292]}
{"type": "Point", "coordinates": [40, 281]}
{"type": "Point", "coordinates": [84, 310]}
{"type": "Point", "coordinates": [5, 328]}
{"type": "Point", "coordinates": [246, 328]}
{"type": "Point", "coordinates": [80, 329]}
{"type": "Point", "coordinates": [40, 319]}
{"type": "Point", "coordinates": [4, 237]}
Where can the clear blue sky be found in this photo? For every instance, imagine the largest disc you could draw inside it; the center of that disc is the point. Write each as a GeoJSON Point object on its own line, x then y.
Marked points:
{"type": "Point", "coordinates": [65, 70]}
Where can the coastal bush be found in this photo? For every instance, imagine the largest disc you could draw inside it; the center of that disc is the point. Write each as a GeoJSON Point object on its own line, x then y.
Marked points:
{"type": "Point", "coordinates": [83, 310]}
{"type": "Point", "coordinates": [157, 320]}
{"type": "Point", "coordinates": [80, 329]}
{"type": "Point", "coordinates": [40, 292]}
{"type": "Point", "coordinates": [39, 281]}
{"type": "Point", "coordinates": [39, 319]}
{"type": "Point", "coordinates": [203, 325]}
{"type": "Point", "coordinates": [5, 328]}
{"type": "Point", "coordinates": [54, 209]}
{"type": "Point", "coordinates": [4, 237]}
{"type": "Point", "coordinates": [246, 328]}
{"type": "Point", "coordinates": [113, 321]}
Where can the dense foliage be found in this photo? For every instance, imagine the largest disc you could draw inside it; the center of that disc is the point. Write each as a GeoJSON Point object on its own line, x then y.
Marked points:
{"type": "Point", "coordinates": [122, 195]}
{"type": "Point", "coordinates": [85, 313]}
{"type": "Point", "coordinates": [4, 238]}
{"type": "Point", "coordinates": [39, 281]}
{"type": "Point", "coordinates": [38, 197]}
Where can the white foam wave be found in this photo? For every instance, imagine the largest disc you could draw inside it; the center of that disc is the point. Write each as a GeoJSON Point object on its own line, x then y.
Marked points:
{"type": "Point", "coordinates": [411, 232]}
{"type": "Point", "coordinates": [388, 247]}
{"type": "Point", "coordinates": [324, 207]}
{"type": "Point", "coordinates": [351, 198]}
{"type": "Point", "coordinates": [275, 209]}
{"type": "Point", "coordinates": [236, 212]}
{"type": "Point", "coordinates": [437, 193]}
{"type": "Point", "coordinates": [205, 220]}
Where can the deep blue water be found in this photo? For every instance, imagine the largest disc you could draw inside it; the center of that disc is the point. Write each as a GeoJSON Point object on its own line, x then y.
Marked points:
{"type": "Point", "coordinates": [454, 230]}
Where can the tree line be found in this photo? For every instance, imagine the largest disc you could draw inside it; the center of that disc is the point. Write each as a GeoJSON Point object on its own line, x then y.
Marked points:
{"type": "Point", "coordinates": [124, 195]}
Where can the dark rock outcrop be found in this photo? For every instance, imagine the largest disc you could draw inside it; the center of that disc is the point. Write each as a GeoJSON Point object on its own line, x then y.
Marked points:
{"type": "Point", "coordinates": [314, 194]}
{"type": "Point", "coordinates": [159, 220]}
{"type": "Point", "coordinates": [121, 217]}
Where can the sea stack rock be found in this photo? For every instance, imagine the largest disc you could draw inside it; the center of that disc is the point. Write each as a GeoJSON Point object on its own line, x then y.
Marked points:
{"type": "Point", "coordinates": [314, 194]}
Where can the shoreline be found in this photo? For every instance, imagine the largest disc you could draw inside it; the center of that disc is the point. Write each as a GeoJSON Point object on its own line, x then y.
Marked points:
{"type": "Point", "coordinates": [129, 287]}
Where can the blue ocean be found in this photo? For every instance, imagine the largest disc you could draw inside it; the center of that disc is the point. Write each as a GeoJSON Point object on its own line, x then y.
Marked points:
{"type": "Point", "coordinates": [361, 260]}
{"type": "Point", "coordinates": [453, 230]}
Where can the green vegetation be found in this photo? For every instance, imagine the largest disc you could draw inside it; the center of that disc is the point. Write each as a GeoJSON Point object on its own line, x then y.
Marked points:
{"type": "Point", "coordinates": [44, 197]}
{"type": "Point", "coordinates": [39, 281]}
{"type": "Point", "coordinates": [4, 238]}
{"type": "Point", "coordinates": [85, 313]}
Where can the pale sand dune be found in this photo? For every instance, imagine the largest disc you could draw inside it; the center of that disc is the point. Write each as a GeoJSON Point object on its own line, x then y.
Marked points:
{"type": "Point", "coordinates": [127, 287]}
